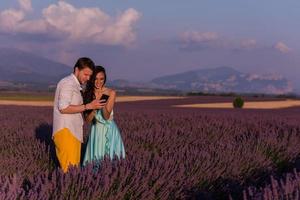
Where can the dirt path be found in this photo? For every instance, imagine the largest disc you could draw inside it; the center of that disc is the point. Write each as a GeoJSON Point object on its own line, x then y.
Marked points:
{"type": "Point", "coordinates": [250, 105]}
{"type": "Point", "coordinates": [119, 99]}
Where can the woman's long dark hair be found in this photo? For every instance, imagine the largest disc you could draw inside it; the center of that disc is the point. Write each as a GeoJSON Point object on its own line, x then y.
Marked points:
{"type": "Point", "coordinates": [88, 95]}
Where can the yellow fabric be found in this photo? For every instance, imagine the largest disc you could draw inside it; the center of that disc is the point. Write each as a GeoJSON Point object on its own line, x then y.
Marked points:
{"type": "Point", "coordinates": [67, 148]}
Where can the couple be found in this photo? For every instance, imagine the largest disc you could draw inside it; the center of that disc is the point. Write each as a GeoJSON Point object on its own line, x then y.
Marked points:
{"type": "Point", "coordinates": [95, 104]}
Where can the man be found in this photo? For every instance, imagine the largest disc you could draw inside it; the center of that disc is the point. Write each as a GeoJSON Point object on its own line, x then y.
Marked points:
{"type": "Point", "coordinates": [67, 113]}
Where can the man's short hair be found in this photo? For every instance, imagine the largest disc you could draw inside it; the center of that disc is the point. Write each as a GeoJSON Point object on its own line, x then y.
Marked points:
{"type": "Point", "coordinates": [84, 62]}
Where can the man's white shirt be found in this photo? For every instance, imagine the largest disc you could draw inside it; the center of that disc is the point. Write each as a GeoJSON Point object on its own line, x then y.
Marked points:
{"type": "Point", "coordinates": [68, 92]}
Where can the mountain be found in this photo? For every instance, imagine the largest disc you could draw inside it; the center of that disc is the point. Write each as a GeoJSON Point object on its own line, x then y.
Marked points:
{"type": "Point", "coordinates": [22, 68]}
{"type": "Point", "coordinates": [224, 79]}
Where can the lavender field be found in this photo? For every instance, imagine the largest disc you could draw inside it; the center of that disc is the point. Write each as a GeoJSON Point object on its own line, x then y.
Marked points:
{"type": "Point", "coordinates": [171, 153]}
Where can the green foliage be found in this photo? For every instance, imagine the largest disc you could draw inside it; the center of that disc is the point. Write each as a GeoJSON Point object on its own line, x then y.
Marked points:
{"type": "Point", "coordinates": [238, 102]}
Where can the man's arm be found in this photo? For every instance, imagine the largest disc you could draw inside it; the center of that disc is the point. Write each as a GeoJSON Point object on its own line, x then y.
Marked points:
{"type": "Point", "coordinates": [73, 109]}
{"type": "Point", "coordinates": [64, 100]}
{"type": "Point", "coordinates": [80, 108]}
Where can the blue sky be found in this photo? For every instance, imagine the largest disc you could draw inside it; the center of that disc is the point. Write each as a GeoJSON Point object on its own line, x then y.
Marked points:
{"type": "Point", "coordinates": [141, 40]}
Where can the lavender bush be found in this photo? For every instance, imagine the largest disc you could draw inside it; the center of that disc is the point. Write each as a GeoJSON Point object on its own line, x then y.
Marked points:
{"type": "Point", "coordinates": [282, 188]}
{"type": "Point", "coordinates": [170, 154]}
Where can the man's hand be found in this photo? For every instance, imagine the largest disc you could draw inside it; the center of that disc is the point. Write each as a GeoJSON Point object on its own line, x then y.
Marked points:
{"type": "Point", "coordinates": [95, 104]}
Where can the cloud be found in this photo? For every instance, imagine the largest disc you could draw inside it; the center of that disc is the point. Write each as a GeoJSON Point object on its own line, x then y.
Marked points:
{"type": "Point", "coordinates": [282, 47]}
{"type": "Point", "coordinates": [193, 41]}
{"type": "Point", "coordinates": [25, 5]}
{"type": "Point", "coordinates": [248, 44]}
{"type": "Point", "coordinates": [92, 24]}
{"type": "Point", "coordinates": [199, 37]}
{"type": "Point", "coordinates": [80, 25]}
{"type": "Point", "coordinates": [9, 19]}
{"type": "Point", "coordinates": [198, 41]}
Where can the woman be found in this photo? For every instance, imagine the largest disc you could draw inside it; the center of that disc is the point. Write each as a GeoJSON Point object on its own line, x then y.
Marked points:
{"type": "Point", "coordinates": [104, 137]}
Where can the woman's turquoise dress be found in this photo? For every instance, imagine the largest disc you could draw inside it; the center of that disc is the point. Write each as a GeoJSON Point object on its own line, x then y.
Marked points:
{"type": "Point", "coordinates": [104, 140]}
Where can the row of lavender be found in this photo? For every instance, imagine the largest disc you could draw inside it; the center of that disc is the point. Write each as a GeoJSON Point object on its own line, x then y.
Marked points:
{"type": "Point", "coordinates": [174, 154]}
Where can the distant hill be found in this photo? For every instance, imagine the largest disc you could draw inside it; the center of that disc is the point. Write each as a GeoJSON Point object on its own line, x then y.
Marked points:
{"type": "Point", "coordinates": [224, 79]}
{"type": "Point", "coordinates": [23, 70]}
{"type": "Point", "coordinates": [20, 67]}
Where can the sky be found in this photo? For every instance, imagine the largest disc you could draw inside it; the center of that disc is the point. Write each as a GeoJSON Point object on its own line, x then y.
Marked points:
{"type": "Point", "coordinates": [140, 40]}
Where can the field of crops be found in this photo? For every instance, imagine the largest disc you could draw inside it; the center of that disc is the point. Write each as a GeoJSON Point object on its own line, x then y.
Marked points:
{"type": "Point", "coordinates": [171, 153]}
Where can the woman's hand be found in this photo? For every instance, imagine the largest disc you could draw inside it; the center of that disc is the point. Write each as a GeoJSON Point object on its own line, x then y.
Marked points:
{"type": "Point", "coordinates": [94, 105]}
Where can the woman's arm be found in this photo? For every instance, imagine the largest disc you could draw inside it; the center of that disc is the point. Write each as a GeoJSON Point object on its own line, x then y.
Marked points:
{"type": "Point", "coordinates": [107, 109]}
{"type": "Point", "coordinates": [90, 116]}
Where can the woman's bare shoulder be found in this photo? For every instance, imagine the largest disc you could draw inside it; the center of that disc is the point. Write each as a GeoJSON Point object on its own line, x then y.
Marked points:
{"type": "Point", "coordinates": [110, 91]}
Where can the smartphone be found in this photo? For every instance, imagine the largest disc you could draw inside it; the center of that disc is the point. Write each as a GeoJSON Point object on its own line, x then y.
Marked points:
{"type": "Point", "coordinates": [104, 97]}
